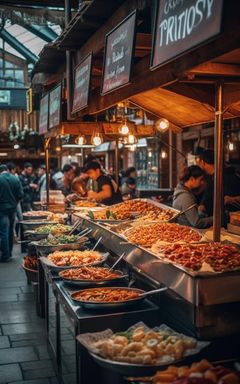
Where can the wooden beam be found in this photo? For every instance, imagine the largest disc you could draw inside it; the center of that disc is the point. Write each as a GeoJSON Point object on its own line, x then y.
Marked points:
{"type": "Point", "coordinates": [200, 92]}
{"type": "Point", "coordinates": [216, 69]}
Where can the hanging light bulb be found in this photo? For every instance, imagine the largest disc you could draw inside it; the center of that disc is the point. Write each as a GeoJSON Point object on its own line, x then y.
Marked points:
{"type": "Point", "coordinates": [131, 139]}
{"type": "Point", "coordinates": [163, 154]}
{"type": "Point", "coordinates": [124, 129]}
{"type": "Point", "coordinates": [162, 125]}
{"type": "Point", "coordinates": [96, 139]}
{"type": "Point", "coordinates": [81, 140]}
{"type": "Point", "coordinates": [231, 146]}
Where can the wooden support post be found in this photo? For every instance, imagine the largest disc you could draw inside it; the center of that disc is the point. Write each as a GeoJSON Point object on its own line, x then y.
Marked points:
{"type": "Point", "coordinates": [218, 160]}
{"type": "Point", "coordinates": [46, 150]}
{"type": "Point", "coordinates": [170, 161]}
{"type": "Point", "coordinates": [117, 162]}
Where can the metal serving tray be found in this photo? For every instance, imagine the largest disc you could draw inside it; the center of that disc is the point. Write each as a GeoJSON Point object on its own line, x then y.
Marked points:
{"type": "Point", "coordinates": [115, 221]}
{"type": "Point", "coordinates": [206, 289]}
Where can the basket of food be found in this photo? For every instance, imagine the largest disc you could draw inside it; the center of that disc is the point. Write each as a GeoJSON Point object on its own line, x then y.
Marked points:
{"type": "Point", "coordinates": [30, 266]}
{"type": "Point", "coordinates": [68, 260]}
{"type": "Point", "coordinates": [139, 350]}
{"type": "Point", "coordinates": [90, 276]}
{"type": "Point", "coordinates": [57, 243]}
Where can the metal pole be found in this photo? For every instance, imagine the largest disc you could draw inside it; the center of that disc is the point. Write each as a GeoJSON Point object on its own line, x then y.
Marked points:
{"type": "Point", "coordinates": [117, 162]}
{"type": "Point", "coordinates": [69, 72]}
{"type": "Point", "coordinates": [218, 161]}
{"type": "Point", "coordinates": [46, 149]}
{"type": "Point", "coordinates": [170, 163]}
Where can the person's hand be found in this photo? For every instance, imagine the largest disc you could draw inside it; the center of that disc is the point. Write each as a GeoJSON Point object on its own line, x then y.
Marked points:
{"type": "Point", "coordinates": [228, 200]}
{"type": "Point", "coordinates": [72, 197]}
{"type": "Point", "coordinates": [33, 186]}
{"type": "Point", "coordinates": [92, 195]}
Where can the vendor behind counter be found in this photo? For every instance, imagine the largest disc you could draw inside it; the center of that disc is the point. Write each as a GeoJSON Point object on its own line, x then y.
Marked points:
{"type": "Point", "coordinates": [108, 192]}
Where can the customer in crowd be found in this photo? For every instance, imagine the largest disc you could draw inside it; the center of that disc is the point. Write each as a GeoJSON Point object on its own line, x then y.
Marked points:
{"type": "Point", "coordinates": [12, 169]}
{"type": "Point", "coordinates": [206, 163]}
{"type": "Point", "coordinates": [108, 192]}
{"type": "Point", "coordinates": [65, 183]}
{"type": "Point", "coordinates": [42, 180]}
{"type": "Point", "coordinates": [129, 182]}
{"type": "Point", "coordinates": [231, 185]}
{"type": "Point", "coordinates": [185, 196]}
{"type": "Point", "coordinates": [11, 193]}
{"type": "Point", "coordinates": [29, 186]}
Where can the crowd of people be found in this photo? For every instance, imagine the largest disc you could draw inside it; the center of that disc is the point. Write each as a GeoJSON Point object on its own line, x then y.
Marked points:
{"type": "Point", "coordinates": [194, 192]}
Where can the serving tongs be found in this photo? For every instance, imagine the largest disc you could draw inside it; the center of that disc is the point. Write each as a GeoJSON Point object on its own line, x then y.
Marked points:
{"type": "Point", "coordinates": [181, 213]}
{"type": "Point", "coordinates": [149, 293]}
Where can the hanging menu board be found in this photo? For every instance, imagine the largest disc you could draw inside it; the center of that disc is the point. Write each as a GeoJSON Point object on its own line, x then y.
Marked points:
{"type": "Point", "coordinates": [82, 75]}
{"type": "Point", "coordinates": [118, 55]}
{"type": "Point", "coordinates": [55, 99]}
{"type": "Point", "coordinates": [182, 25]}
{"type": "Point", "coordinates": [43, 114]}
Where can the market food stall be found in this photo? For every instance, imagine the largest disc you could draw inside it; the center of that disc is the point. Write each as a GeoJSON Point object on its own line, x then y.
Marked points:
{"type": "Point", "coordinates": [201, 277]}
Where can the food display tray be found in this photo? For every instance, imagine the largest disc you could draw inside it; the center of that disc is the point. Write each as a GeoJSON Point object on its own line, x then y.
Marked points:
{"type": "Point", "coordinates": [206, 289]}
{"type": "Point", "coordinates": [117, 221]}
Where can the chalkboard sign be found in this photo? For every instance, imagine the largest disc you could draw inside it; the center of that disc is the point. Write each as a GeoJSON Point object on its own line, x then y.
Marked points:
{"type": "Point", "coordinates": [43, 114]}
{"type": "Point", "coordinates": [81, 84]}
{"type": "Point", "coordinates": [183, 24]}
{"type": "Point", "coordinates": [118, 55]}
{"type": "Point", "coordinates": [55, 99]}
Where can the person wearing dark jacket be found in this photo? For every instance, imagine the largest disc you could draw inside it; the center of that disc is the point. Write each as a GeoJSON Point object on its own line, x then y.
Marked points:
{"type": "Point", "coordinates": [108, 191]}
{"type": "Point", "coordinates": [29, 187]}
{"type": "Point", "coordinates": [185, 195]}
{"type": "Point", "coordinates": [10, 194]}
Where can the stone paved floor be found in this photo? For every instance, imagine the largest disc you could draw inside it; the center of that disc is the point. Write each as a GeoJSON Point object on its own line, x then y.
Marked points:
{"type": "Point", "coordinates": [24, 358]}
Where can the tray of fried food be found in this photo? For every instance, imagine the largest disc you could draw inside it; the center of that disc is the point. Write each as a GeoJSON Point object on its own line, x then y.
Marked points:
{"type": "Point", "coordinates": [202, 372]}
{"type": "Point", "coordinates": [139, 349]}
{"type": "Point", "coordinates": [84, 203]}
{"type": "Point", "coordinates": [146, 235]}
{"type": "Point", "coordinates": [202, 258]}
{"type": "Point", "coordinates": [60, 260]}
{"type": "Point", "coordinates": [88, 276]}
{"type": "Point", "coordinates": [131, 209]}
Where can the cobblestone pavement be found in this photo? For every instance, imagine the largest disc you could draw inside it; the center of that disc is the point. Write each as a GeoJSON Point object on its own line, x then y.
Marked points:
{"type": "Point", "coordinates": [24, 358]}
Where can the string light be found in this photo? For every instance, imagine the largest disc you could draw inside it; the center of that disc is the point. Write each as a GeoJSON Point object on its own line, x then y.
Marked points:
{"type": "Point", "coordinates": [124, 129]}
{"type": "Point", "coordinates": [163, 154]}
{"type": "Point", "coordinates": [81, 140]}
{"type": "Point", "coordinates": [230, 146]}
{"type": "Point", "coordinates": [96, 139]}
{"type": "Point", "coordinates": [131, 139]}
{"type": "Point", "coordinates": [162, 125]}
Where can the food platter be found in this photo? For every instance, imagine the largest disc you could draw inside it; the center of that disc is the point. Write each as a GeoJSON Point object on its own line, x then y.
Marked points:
{"type": "Point", "coordinates": [139, 350]}
{"type": "Point", "coordinates": [46, 249]}
{"type": "Point", "coordinates": [203, 371]}
{"type": "Point", "coordinates": [146, 235]}
{"type": "Point", "coordinates": [131, 209]}
{"type": "Point", "coordinates": [98, 305]}
{"type": "Point", "coordinates": [93, 283]}
{"type": "Point", "coordinates": [54, 267]}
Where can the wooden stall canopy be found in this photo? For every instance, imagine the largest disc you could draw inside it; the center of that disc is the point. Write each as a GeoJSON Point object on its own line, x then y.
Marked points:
{"type": "Point", "coordinates": [181, 90]}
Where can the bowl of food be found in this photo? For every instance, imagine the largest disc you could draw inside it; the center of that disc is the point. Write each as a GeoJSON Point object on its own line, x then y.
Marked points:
{"type": "Point", "coordinates": [57, 243]}
{"type": "Point", "coordinates": [36, 215]}
{"type": "Point", "coordinates": [90, 276]}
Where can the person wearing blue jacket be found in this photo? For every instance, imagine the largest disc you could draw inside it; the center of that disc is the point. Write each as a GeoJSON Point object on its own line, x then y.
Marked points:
{"type": "Point", "coordinates": [185, 195]}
